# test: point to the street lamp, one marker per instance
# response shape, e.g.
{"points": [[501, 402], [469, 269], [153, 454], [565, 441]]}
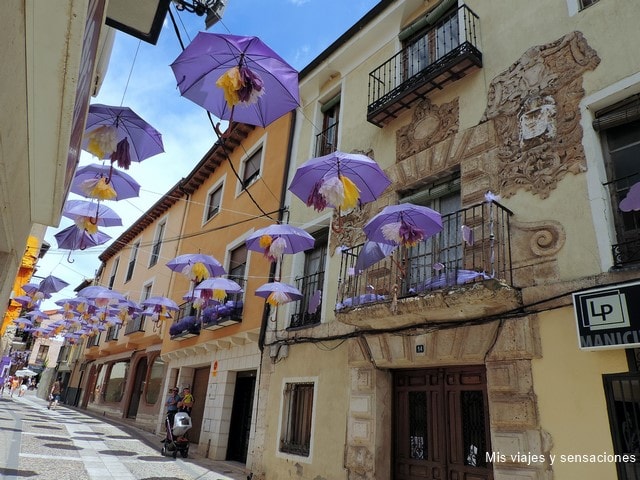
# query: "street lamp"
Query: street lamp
{"points": [[212, 8]]}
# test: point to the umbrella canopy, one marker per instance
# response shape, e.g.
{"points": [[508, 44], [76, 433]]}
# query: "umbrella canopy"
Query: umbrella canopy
{"points": [[83, 211], [339, 180], [25, 372], [120, 134], [23, 322], [51, 284], [74, 238], [276, 240], [158, 303], [371, 253], [104, 183], [405, 224], [216, 288], [237, 78], [278, 293], [31, 288], [197, 266], [101, 296]]}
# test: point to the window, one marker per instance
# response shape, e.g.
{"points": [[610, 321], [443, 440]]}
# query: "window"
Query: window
{"points": [[619, 126], [132, 260], [623, 404], [297, 418], [114, 270], [213, 202], [154, 384], [238, 264], [157, 244], [587, 3], [114, 388], [310, 284], [251, 168], [43, 351], [429, 46], [112, 333], [327, 140]]}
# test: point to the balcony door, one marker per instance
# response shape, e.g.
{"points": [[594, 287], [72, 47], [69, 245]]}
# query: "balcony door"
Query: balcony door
{"points": [[441, 424]]}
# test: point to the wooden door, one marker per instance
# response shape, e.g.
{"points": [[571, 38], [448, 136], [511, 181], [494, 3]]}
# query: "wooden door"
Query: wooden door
{"points": [[441, 424]]}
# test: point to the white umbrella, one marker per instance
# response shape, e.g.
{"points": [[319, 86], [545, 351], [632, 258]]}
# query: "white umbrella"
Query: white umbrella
{"points": [[25, 372]]}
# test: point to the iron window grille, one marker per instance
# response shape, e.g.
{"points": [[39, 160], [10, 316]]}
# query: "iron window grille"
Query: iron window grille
{"points": [[297, 419]]}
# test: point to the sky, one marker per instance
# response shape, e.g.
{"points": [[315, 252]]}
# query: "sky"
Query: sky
{"points": [[139, 76]]}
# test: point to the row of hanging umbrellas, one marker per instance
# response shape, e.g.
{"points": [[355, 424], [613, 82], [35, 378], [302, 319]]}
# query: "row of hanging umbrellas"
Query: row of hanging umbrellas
{"points": [[238, 79]]}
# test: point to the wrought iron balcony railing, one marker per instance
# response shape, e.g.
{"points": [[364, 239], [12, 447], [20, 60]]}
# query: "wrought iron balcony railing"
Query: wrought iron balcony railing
{"points": [[308, 309], [446, 52], [474, 245], [135, 325]]}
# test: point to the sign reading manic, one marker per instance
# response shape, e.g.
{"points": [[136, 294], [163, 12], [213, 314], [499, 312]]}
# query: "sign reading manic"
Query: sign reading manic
{"points": [[608, 317]]}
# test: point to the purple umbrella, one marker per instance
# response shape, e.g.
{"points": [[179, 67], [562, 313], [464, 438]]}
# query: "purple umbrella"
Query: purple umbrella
{"points": [[216, 288], [51, 284], [278, 293], [371, 253], [237, 78], [74, 238], [120, 134], [339, 180], [93, 181], [405, 224], [197, 266], [275, 240], [30, 288], [632, 201], [82, 211], [101, 296], [158, 303]]}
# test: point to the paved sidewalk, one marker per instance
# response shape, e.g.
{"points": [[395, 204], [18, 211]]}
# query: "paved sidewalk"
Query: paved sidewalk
{"points": [[95, 448]]}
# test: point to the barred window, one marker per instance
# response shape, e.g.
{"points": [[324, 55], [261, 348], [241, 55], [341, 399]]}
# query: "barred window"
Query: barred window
{"points": [[297, 418]]}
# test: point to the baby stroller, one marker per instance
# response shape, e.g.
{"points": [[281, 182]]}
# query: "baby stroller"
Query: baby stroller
{"points": [[176, 440]]}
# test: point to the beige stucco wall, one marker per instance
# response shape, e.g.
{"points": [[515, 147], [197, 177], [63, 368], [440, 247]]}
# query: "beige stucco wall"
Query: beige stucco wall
{"points": [[571, 402], [329, 369]]}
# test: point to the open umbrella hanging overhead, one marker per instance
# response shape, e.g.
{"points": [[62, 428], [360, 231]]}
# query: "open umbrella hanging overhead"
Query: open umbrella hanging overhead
{"points": [[339, 180], [104, 183], [216, 288], [404, 224], [370, 254], [196, 266], [120, 134], [275, 240], [237, 78], [278, 293], [51, 284], [75, 238], [90, 215]]}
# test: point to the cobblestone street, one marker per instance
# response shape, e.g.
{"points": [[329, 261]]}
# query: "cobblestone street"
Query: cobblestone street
{"points": [[68, 444]]}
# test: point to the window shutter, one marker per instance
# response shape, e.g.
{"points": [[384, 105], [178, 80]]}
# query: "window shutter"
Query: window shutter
{"points": [[623, 112], [429, 18]]}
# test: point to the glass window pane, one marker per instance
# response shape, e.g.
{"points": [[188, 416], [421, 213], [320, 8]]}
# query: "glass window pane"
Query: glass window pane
{"points": [[114, 389]]}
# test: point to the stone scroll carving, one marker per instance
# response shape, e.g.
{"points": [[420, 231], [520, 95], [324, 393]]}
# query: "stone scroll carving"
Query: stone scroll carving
{"points": [[534, 106]]}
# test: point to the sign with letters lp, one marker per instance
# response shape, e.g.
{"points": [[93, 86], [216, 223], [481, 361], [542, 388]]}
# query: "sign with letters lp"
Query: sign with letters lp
{"points": [[608, 317]]}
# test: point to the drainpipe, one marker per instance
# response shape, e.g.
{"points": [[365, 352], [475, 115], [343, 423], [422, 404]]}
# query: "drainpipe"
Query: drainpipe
{"points": [[283, 194]]}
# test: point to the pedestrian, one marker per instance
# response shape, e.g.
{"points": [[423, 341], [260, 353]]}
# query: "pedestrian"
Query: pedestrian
{"points": [[23, 387], [186, 401], [15, 384], [172, 406], [54, 393]]}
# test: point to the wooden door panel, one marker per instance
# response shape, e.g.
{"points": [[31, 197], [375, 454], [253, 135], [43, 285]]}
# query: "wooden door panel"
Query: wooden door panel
{"points": [[441, 424]]}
